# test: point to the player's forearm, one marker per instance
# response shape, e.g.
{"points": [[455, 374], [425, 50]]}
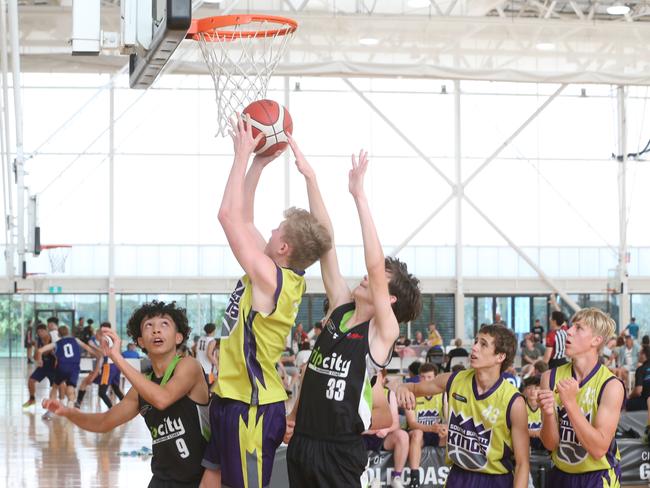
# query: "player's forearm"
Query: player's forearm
{"points": [[250, 185], [317, 205], [92, 422], [549, 433], [155, 394], [425, 388], [373, 253], [232, 202], [521, 473], [590, 437]]}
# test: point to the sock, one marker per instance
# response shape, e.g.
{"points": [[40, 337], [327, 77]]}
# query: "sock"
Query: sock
{"points": [[80, 396], [32, 398], [397, 474]]}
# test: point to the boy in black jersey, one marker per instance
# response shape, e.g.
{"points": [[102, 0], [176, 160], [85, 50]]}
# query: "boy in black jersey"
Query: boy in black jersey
{"points": [[173, 398], [359, 330]]}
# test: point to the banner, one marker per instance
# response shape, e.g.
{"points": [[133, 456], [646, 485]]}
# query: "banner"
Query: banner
{"points": [[433, 470]]}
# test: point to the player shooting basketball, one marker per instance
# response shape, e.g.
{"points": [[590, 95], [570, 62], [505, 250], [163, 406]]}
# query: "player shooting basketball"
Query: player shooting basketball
{"points": [[247, 414]]}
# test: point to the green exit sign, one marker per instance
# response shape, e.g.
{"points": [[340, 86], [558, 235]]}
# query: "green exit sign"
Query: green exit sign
{"points": [[56, 289]]}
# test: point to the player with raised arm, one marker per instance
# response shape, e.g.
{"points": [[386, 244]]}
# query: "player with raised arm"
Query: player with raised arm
{"points": [[487, 415], [360, 328], [172, 399], [247, 414], [581, 405]]}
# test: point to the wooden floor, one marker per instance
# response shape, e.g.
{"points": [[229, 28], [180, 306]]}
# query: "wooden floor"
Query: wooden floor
{"points": [[55, 453]]}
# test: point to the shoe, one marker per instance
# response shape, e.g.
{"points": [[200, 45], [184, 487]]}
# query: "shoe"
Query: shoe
{"points": [[29, 403], [77, 405], [397, 482], [415, 481], [375, 483], [48, 415]]}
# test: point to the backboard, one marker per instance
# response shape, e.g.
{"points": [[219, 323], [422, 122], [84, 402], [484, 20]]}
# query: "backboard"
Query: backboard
{"points": [[151, 32]]}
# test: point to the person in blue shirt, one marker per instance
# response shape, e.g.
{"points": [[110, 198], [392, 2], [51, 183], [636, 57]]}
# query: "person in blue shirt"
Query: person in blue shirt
{"points": [[633, 328], [130, 352]]}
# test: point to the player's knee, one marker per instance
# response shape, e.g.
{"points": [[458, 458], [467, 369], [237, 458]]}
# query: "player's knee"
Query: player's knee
{"points": [[401, 437]]}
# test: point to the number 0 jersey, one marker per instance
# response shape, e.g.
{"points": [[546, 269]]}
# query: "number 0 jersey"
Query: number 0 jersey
{"points": [[179, 434], [336, 397], [570, 456], [252, 342], [479, 436]]}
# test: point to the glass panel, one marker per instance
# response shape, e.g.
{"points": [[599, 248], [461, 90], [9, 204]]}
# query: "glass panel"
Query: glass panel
{"points": [[443, 316], [540, 311], [484, 311], [522, 315], [503, 308], [470, 317], [641, 311]]}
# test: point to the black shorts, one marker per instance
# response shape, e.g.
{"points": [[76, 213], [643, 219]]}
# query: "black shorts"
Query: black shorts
{"points": [[161, 483], [321, 464]]}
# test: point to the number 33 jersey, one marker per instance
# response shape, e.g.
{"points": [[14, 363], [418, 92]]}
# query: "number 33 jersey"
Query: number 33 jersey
{"points": [[179, 435], [336, 396], [479, 436]]}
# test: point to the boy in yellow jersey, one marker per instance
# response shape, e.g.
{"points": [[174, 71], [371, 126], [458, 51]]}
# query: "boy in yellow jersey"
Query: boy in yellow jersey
{"points": [[581, 404], [487, 415], [361, 325], [426, 424], [529, 389], [247, 414]]}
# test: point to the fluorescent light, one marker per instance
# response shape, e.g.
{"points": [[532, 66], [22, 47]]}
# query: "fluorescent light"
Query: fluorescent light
{"points": [[369, 41], [618, 9], [419, 3], [545, 46]]}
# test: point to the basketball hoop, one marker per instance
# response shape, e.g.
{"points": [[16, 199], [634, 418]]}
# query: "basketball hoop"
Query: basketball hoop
{"points": [[241, 52], [57, 254]]}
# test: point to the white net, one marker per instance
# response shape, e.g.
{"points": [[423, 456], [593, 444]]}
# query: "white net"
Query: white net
{"points": [[58, 257], [241, 59]]}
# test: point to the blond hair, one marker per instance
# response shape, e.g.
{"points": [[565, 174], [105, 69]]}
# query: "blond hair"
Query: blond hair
{"points": [[307, 237], [600, 323]]}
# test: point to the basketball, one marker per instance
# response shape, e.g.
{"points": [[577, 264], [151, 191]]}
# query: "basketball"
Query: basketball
{"points": [[274, 121]]}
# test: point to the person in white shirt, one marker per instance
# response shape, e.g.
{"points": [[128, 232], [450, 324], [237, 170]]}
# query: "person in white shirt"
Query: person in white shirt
{"points": [[53, 328], [205, 352]]}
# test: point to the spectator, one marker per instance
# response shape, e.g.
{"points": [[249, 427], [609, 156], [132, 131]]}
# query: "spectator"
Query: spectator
{"points": [[457, 352], [419, 339], [299, 336], [510, 375], [302, 358], [29, 342], [402, 341], [529, 356], [540, 367], [78, 329], [314, 333], [627, 358], [633, 328], [539, 346], [53, 328], [639, 395], [457, 367], [131, 351], [435, 339], [555, 354], [538, 330], [608, 354], [498, 320], [645, 340], [88, 331], [530, 387], [414, 372]]}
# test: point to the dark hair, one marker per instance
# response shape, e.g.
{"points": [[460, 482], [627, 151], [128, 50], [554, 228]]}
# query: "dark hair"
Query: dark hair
{"points": [[90, 322], [645, 340], [305, 346], [41, 327], [414, 368], [54, 320], [620, 341], [405, 288], [457, 367], [428, 368], [326, 305], [105, 324], [505, 342], [541, 366], [646, 350], [558, 317], [530, 381], [158, 309], [632, 319], [209, 328]]}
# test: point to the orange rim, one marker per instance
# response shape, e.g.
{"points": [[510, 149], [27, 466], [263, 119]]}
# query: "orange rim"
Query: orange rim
{"points": [[54, 246], [212, 25]]}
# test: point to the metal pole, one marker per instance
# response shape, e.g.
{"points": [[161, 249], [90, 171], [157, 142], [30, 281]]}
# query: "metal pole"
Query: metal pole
{"points": [[287, 153], [624, 302], [6, 151], [18, 114], [459, 299], [112, 311]]}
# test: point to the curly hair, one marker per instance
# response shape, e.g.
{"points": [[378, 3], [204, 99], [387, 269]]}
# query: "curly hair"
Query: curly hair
{"points": [[505, 342], [405, 288], [158, 309]]}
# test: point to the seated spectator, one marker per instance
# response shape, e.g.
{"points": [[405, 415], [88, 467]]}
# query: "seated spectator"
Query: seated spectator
{"points": [[299, 336], [435, 339], [302, 358], [607, 356], [425, 423], [539, 368], [510, 375], [131, 351], [627, 357], [456, 352], [414, 371], [529, 356], [539, 345], [392, 438], [639, 395], [402, 341], [291, 371], [314, 333], [529, 389], [419, 339], [457, 367]]}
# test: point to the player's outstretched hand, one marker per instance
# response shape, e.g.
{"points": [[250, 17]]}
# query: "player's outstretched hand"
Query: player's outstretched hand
{"points": [[264, 160], [301, 162], [357, 173], [546, 400], [111, 343], [241, 132], [405, 397], [54, 406], [288, 433]]}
